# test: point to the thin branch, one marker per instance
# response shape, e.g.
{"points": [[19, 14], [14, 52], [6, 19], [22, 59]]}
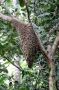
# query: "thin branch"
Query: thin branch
{"points": [[44, 52], [13, 63], [55, 28], [28, 12]]}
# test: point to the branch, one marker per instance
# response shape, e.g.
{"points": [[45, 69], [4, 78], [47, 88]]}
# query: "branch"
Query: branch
{"points": [[5, 17], [12, 63], [28, 12], [55, 45], [10, 19], [44, 52], [55, 28]]}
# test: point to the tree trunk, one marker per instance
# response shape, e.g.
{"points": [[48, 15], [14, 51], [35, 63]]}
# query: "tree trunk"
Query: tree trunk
{"points": [[52, 73], [52, 77]]}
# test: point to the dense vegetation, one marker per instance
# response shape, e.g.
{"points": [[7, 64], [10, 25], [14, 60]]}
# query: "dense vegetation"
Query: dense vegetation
{"points": [[44, 16]]}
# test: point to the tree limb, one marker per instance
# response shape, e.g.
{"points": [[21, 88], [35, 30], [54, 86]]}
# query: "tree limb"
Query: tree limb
{"points": [[28, 12], [55, 28], [55, 45], [5, 17]]}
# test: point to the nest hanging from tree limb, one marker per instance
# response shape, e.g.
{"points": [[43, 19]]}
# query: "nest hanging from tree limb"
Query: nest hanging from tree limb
{"points": [[29, 41]]}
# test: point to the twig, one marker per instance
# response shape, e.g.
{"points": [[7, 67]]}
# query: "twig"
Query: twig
{"points": [[28, 12], [13, 63]]}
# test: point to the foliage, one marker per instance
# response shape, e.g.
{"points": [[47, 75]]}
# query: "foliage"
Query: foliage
{"points": [[44, 13]]}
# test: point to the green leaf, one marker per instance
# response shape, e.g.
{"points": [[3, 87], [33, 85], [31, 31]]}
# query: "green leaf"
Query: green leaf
{"points": [[21, 2]]}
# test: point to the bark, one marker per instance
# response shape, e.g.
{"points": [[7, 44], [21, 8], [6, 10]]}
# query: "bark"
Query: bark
{"points": [[55, 45], [52, 77], [52, 73], [55, 28]]}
